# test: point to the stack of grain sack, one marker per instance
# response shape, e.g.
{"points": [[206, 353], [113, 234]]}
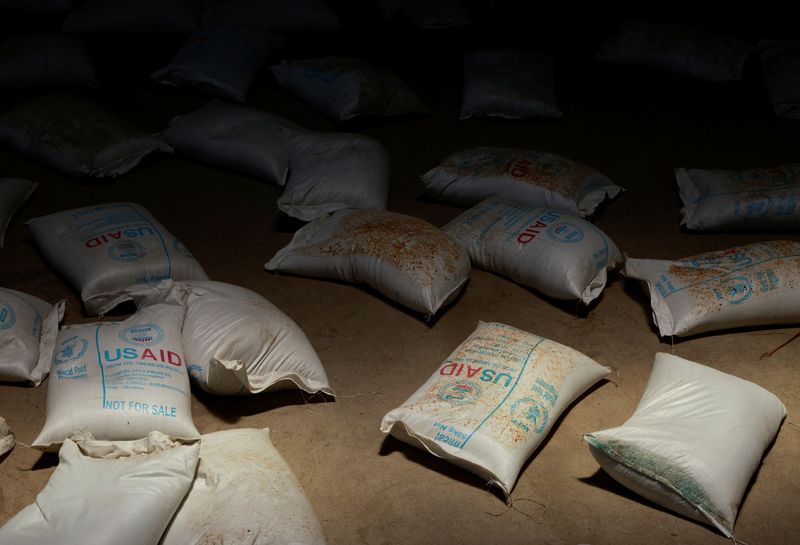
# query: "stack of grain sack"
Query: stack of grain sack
{"points": [[118, 403]]}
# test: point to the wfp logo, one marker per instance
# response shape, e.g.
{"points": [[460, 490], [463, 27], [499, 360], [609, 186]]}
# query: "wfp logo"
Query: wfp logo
{"points": [[70, 349], [7, 315], [529, 415], [126, 250], [142, 335], [734, 290]]}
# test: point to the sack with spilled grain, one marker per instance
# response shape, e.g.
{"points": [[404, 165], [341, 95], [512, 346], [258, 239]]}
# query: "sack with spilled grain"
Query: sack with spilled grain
{"points": [[560, 255], [468, 176], [493, 401], [405, 258], [75, 137], [750, 285]]}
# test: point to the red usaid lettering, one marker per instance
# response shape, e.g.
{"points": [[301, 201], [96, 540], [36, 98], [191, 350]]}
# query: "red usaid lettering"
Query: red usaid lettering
{"points": [[534, 229], [165, 356], [521, 168], [111, 236], [530, 232], [103, 239]]}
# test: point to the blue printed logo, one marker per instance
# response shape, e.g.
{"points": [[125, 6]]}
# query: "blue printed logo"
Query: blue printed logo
{"points": [[734, 290], [142, 335], [70, 349], [462, 392], [565, 232], [532, 411], [7, 315], [126, 250]]}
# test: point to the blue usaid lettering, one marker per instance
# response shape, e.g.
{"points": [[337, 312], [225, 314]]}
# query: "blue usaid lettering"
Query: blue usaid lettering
{"points": [[131, 353]]}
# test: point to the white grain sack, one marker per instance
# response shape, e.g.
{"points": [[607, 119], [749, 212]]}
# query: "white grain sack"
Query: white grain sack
{"points": [[237, 342], [120, 380], [405, 258], [508, 83], [75, 137], [683, 50], [562, 256], [13, 192], [750, 285], [38, 7], [44, 59], [780, 62], [244, 494], [332, 171], [282, 16], [103, 249], [172, 17], [7, 440], [493, 401], [219, 60], [745, 200], [241, 139], [694, 441], [344, 88], [106, 492], [427, 14], [537, 178], [28, 330]]}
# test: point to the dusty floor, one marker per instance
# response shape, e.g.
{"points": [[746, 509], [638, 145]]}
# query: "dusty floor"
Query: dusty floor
{"points": [[370, 489]]}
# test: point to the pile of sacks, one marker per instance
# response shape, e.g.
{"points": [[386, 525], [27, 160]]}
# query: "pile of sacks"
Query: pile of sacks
{"points": [[493, 401], [118, 405], [158, 489]]}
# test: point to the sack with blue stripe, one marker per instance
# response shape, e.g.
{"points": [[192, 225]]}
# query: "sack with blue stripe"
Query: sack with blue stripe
{"points": [[103, 249], [559, 254], [493, 401], [755, 284], [28, 329], [120, 380]]}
